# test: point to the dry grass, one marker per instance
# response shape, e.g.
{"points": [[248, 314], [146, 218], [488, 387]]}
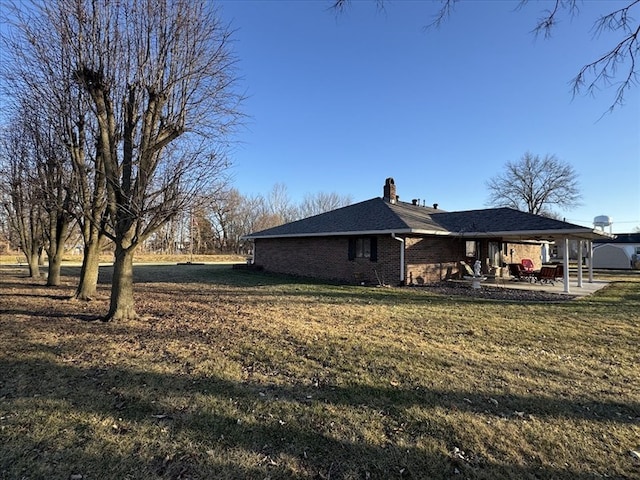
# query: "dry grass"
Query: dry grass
{"points": [[232, 374]]}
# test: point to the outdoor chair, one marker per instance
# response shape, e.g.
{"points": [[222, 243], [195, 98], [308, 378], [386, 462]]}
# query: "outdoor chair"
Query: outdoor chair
{"points": [[518, 271], [468, 271], [559, 272], [547, 274]]}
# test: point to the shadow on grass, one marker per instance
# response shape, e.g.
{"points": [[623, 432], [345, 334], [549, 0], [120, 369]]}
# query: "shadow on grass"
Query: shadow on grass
{"points": [[137, 399], [85, 317]]}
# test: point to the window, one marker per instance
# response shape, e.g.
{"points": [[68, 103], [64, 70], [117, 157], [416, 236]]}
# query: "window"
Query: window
{"points": [[494, 254], [363, 247], [472, 248]]}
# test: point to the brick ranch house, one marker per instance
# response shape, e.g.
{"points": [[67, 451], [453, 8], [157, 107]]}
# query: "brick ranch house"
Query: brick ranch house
{"points": [[398, 243]]}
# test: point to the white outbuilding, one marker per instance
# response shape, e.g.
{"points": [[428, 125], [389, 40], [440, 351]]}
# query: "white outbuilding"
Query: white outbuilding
{"points": [[621, 252]]}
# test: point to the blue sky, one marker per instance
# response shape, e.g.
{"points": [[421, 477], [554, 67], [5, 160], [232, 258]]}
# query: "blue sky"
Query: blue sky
{"points": [[338, 103]]}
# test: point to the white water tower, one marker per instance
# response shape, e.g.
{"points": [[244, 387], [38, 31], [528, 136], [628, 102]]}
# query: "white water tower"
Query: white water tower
{"points": [[602, 221]]}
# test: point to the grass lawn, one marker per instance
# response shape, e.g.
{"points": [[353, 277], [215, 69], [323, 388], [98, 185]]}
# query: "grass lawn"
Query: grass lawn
{"points": [[233, 374]]}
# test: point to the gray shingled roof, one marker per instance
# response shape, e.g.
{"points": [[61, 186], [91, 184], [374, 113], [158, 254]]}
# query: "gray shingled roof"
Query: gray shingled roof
{"points": [[622, 238], [378, 216]]}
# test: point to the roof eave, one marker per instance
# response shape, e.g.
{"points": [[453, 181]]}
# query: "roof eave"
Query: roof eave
{"points": [[358, 233], [582, 233]]}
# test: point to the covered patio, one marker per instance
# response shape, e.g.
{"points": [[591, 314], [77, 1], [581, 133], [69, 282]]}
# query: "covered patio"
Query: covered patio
{"points": [[578, 280]]}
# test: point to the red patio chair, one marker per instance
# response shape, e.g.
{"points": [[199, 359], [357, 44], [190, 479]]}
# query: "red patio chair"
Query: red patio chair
{"points": [[527, 264]]}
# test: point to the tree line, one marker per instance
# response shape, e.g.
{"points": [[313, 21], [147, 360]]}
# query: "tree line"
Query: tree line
{"points": [[118, 114]]}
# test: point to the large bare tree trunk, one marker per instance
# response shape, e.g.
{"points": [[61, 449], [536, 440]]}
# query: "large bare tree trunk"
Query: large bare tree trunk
{"points": [[122, 306], [34, 264], [88, 284], [55, 263], [59, 227]]}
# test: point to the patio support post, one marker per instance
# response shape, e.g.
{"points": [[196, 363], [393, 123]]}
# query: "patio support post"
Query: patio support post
{"points": [[565, 261], [579, 263], [590, 257]]}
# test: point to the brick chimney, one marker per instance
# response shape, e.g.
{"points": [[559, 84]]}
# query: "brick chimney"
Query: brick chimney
{"points": [[389, 192]]}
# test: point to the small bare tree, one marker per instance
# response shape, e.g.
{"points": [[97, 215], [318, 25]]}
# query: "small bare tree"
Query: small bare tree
{"points": [[535, 184], [617, 67]]}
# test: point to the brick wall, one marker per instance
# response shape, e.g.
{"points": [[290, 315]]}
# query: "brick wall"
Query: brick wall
{"points": [[327, 258], [432, 259], [427, 260]]}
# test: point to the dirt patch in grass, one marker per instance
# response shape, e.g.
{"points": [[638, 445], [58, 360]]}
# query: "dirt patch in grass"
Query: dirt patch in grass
{"points": [[235, 374]]}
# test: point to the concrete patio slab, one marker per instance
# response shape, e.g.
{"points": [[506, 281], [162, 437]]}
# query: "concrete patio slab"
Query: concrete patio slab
{"points": [[558, 287]]}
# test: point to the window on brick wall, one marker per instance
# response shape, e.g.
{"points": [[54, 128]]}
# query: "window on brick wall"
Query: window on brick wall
{"points": [[472, 248], [494, 254], [363, 247]]}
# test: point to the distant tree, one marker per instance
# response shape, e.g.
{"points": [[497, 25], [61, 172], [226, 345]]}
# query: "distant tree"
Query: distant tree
{"points": [[314, 204], [202, 233], [226, 217], [234, 215], [280, 205], [21, 195], [616, 67], [535, 184], [257, 214]]}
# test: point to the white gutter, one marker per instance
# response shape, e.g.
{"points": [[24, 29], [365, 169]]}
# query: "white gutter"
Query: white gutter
{"points": [[401, 240]]}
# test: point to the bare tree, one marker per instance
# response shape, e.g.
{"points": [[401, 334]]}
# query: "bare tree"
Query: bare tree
{"points": [[314, 204], [21, 195], [615, 67], [52, 177], [40, 72], [159, 78], [535, 184], [280, 205], [225, 213]]}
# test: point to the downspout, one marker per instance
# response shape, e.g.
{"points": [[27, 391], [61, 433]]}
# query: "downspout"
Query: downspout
{"points": [[401, 240]]}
